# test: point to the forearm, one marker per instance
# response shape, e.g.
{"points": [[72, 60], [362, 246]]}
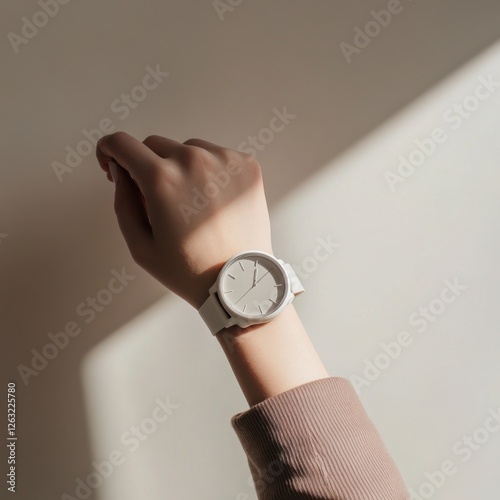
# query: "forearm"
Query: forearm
{"points": [[313, 439], [273, 357]]}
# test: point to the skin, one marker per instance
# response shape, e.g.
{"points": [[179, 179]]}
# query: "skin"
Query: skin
{"points": [[153, 179]]}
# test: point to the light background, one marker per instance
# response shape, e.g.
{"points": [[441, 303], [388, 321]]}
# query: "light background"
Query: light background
{"points": [[324, 176]]}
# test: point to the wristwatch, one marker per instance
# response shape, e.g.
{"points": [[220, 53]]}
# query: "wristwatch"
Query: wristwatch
{"points": [[252, 287]]}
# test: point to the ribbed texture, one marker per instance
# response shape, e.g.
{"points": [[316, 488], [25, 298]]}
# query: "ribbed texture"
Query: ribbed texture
{"points": [[316, 441]]}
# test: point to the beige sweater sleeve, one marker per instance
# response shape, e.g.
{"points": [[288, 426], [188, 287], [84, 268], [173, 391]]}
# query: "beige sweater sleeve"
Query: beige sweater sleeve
{"points": [[316, 441]]}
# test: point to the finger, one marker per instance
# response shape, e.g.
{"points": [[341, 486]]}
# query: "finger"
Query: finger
{"points": [[134, 156], [163, 147], [132, 216], [180, 154]]}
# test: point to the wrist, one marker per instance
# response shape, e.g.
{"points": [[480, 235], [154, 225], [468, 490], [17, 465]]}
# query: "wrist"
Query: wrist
{"points": [[273, 357], [202, 284]]}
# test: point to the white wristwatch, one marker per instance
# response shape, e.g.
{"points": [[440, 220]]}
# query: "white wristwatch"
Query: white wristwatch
{"points": [[252, 287]]}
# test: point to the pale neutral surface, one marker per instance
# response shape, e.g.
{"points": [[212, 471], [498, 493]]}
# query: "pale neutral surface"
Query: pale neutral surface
{"points": [[396, 249]]}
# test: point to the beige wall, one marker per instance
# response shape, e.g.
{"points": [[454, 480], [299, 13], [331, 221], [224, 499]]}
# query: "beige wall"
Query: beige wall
{"points": [[225, 78]]}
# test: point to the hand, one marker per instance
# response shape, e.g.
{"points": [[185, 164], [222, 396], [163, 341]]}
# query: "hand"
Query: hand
{"points": [[178, 237]]}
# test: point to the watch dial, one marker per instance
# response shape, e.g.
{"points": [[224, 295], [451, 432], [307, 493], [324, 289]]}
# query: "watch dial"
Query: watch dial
{"points": [[253, 285]]}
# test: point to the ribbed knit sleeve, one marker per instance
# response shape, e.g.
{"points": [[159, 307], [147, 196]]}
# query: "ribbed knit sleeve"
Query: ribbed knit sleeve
{"points": [[316, 441]]}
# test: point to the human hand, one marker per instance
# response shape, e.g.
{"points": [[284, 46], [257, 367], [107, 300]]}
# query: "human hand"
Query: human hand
{"points": [[179, 237]]}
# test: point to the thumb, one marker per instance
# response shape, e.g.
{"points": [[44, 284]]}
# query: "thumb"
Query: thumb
{"points": [[131, 213]]}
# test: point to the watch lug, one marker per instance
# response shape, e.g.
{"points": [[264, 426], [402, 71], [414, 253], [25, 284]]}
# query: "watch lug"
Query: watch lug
{"points": [[295, 284]]}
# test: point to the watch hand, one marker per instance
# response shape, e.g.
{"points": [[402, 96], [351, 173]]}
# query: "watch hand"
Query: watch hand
{"points": [[255, 282], [254, 277], [262, 276], [244, 294]]}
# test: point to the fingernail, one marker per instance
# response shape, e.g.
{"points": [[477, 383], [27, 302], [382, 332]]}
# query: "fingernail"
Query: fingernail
{"points": [[113, 168]]}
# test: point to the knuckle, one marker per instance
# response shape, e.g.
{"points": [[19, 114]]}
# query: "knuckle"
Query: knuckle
{"points": [[247, 156], [116, 139], [154, 171], [150, 140], [227, 155], [190, 142], [193, 156], [164, 177], [139, 254], [253, 168]]}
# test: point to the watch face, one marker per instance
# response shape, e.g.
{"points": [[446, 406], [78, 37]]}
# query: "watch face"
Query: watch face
{"points": [[253, 286]]}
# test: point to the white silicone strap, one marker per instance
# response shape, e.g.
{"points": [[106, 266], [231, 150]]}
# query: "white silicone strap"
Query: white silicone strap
{"points": [[295, 284], [213, 314]]}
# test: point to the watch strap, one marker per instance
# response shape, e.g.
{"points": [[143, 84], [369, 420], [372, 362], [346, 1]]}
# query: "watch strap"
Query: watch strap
{"points": [[214, 315], [295, 284]]}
